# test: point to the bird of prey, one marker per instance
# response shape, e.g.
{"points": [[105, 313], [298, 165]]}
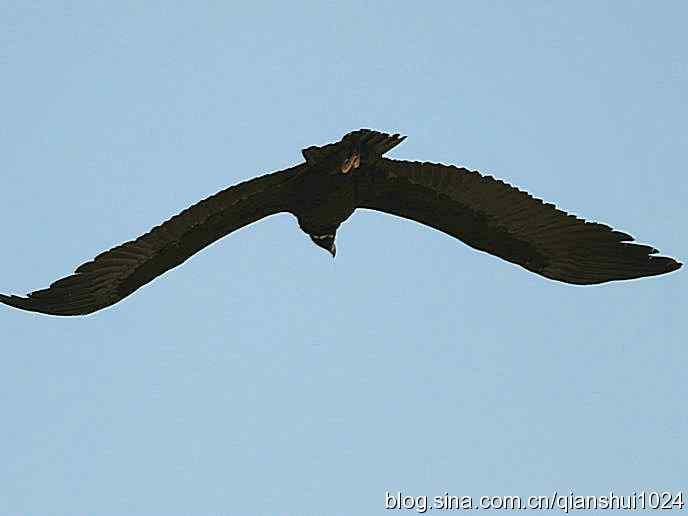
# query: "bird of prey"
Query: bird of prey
{"points": [[336, 179]]}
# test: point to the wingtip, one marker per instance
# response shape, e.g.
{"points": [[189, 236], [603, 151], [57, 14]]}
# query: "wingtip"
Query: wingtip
{"points": [[663, 265], [29, 304], [13, 301]]}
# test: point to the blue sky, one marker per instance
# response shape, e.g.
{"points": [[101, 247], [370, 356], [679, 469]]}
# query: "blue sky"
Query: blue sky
{"points": [[262, 377]]}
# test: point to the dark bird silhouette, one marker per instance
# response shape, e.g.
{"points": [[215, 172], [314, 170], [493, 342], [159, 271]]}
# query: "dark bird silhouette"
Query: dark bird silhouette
{"points": [[484, 212]]}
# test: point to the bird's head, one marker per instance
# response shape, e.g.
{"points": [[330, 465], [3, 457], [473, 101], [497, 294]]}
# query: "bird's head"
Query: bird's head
{"points": [[326, 241]]}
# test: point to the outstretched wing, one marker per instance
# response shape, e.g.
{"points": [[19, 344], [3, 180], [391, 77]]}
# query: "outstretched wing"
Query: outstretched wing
{"points": [[494, 217], [116, 273]]}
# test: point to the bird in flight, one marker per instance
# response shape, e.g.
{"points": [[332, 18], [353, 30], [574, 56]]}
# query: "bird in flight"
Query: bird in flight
{"points": [[335, 180]]}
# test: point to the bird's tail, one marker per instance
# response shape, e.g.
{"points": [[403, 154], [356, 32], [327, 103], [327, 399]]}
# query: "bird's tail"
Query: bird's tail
{"points": [[373, 145], [374, 142]]}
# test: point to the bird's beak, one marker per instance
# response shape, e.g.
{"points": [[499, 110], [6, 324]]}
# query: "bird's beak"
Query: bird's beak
{"points": [[333, 250]]}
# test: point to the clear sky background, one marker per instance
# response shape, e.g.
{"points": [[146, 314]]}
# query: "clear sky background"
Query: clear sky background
{"points": [[262, 377]]}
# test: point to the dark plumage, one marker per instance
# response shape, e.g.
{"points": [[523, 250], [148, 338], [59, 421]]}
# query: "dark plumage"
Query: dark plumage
{"points": [[484, 212]]}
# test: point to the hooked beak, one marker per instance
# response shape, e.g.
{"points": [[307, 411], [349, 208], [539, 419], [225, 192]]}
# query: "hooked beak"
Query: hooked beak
{"points": [[333, 250]]}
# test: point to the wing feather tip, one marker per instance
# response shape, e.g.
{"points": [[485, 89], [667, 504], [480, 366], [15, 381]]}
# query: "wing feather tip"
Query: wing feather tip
{"points": [[670, 264], [30, 304], [14, 301]]}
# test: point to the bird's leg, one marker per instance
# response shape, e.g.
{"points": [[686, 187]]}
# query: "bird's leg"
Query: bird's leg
{"points": [[351, 163]]}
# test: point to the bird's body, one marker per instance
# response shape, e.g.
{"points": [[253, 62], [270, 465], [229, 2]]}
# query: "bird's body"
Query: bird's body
{"points": [[323, 192], [328, 186], [327, 201]]}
